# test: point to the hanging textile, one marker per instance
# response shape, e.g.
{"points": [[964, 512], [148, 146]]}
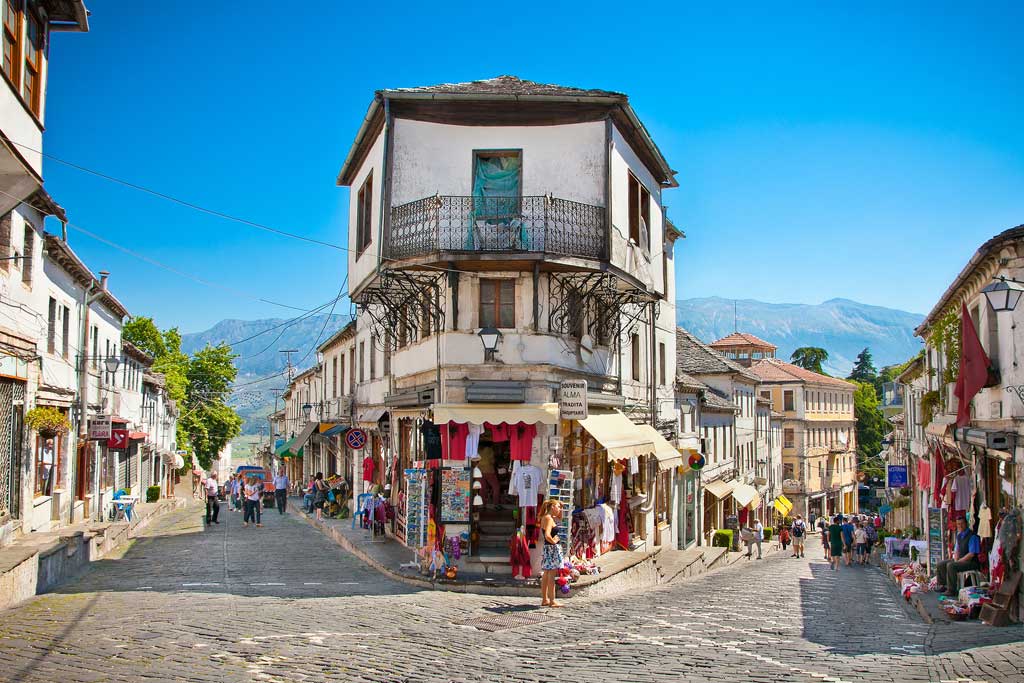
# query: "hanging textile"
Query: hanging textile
{"points": [[496, 192]]}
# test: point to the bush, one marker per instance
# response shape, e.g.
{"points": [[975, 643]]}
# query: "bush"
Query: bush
{"points": [[768, 534], [722, 539], [152, 494]]}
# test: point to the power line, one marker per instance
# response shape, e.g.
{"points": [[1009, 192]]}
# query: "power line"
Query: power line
{"points": [[326, 320], [286, 322]]}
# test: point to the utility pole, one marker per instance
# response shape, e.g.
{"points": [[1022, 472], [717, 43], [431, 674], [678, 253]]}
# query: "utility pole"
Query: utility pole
{"points": [[288, 362]]}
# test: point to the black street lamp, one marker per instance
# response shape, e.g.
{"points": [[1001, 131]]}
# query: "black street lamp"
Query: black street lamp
{"points": [[1003, 294], [307, 410], [489, 337]]}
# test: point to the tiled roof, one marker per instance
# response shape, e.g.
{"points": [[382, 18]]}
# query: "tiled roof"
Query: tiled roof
{"points": [[717, 400], [685, 381], [743, 339], [694, 357], [772, 370], [505, 85]]}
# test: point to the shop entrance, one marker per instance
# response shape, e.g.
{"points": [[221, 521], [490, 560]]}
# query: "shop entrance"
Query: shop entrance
{"points": [[496, 521]]}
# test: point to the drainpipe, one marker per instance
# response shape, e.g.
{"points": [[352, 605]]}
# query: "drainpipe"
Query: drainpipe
{"points": [[90, 294]]}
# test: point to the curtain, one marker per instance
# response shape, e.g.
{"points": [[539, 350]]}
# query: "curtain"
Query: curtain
{"points": [[496, 191]]}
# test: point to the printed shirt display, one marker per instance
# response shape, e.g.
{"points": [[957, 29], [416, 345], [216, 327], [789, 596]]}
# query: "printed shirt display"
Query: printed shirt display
{"points": [[453, 440], [526, 481], [431, 440], [521, 437], [368, 468]]}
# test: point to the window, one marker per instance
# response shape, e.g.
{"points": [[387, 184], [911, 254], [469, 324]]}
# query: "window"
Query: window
{"points": [[373, 358], [95, 346], [993, 337], [362, 361], [635, 355], [66, 338], [334, 375], [364, 215], [766, 394], [787, 470], [28, 247], [787, 438], [12, 34], [33, 62], [352, 370], [51, 327], [497, 303], [46, 465], [425, 315], [787, 400], [497, 191], [661, 363], [639, 213]]}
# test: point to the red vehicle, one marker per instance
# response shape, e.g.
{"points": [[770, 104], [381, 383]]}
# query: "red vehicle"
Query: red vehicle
{"points": [[263, 474]]}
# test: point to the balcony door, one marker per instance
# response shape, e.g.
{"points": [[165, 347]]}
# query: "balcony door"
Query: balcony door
{"points": [[496, 220]]}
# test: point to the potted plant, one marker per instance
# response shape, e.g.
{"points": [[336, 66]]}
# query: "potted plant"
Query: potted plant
{"points": [[48, 421]]}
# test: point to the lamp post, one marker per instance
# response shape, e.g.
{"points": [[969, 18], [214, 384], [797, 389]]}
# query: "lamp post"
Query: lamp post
{"points": [[307, 410], [1003, 294], [489, 337]]}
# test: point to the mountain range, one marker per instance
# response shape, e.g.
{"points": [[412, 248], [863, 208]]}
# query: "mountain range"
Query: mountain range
{"points": [[840, 326]]}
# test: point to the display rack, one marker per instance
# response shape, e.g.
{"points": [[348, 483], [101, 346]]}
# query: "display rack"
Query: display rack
{"points": [[415, 513]]}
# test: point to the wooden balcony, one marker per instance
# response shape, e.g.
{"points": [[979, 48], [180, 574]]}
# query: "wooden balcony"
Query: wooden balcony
{"points": [[497, 225]]}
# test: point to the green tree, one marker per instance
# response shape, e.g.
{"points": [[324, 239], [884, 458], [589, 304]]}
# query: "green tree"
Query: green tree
{"points": [[871, 428], [209, 422], [810, 358], [863, 368], [143, 333]]}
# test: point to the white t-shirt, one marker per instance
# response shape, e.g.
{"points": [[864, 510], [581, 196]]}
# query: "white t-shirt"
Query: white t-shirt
{"points": [[526, 481], [211, 486], [252, 491], [759, 531], [859, 535]]}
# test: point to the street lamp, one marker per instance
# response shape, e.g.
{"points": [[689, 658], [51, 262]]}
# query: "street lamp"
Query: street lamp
{"points": [[307, 409], [489, 337], [112, 363], [1003, 294]]}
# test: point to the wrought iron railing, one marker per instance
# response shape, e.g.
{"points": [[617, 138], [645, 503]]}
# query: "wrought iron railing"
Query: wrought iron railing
{"points": [[497, 224]]}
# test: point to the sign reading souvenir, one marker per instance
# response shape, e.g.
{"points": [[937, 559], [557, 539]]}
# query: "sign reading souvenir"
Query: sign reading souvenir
{"points": [[355, 439], [935, 544], [572, 400], [455, 494], [696, 461], [118, 440], [99, 427], [897, 476]]}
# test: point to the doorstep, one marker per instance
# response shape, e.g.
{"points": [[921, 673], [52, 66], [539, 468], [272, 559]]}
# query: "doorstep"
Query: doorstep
{"points": [[620, 570]]}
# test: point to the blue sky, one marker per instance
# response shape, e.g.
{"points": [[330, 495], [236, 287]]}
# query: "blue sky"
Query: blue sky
{"points": [[823, 151]]}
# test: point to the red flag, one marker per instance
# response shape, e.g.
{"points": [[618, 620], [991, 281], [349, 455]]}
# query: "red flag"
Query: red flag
{"points": [[973, 367]]}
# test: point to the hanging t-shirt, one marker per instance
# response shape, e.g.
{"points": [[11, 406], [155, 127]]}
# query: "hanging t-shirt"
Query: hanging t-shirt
{"points": [[499, 432], [615, 488], [634, 464], [985, 522], [962, 492], [453, 440], [527, 481], [521, 437], [473, 439], [431, 440], [368, 468], [924, 473]]}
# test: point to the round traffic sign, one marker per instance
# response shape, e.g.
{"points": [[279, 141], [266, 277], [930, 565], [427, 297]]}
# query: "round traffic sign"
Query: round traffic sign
{"points": [[696, 461], [355, 439]]}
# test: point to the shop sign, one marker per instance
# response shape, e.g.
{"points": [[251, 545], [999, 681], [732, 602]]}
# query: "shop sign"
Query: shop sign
{"points": [[884, 509], [99, 428], [118, 440], [897, 476], [935, 544], [572, 400], [355, 439]]}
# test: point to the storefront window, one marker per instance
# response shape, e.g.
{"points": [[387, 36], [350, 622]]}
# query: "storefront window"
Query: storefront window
{"points": [[46, 466]]}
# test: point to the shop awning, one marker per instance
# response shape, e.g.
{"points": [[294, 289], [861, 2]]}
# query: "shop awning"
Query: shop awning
{"points": [[937, 429], [370, 416], [137, 436], [496, 413], [284, 448], [332, 429], [619, 436], [745, 494], [668, 457], [781, 507], [720, 488], [689, 443], [786, 503], [304, 435]]}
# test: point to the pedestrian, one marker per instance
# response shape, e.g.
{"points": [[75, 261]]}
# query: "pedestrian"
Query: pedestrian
{"points": [[784, 538], [835, 541], [747, 536], [799, 535], [212, 506], [281, 491], [307, 497], [860, 543], [823, 529], [253, 489], [319, 495], [847, 540], [758, 536], [551, 560], [239, 492]]}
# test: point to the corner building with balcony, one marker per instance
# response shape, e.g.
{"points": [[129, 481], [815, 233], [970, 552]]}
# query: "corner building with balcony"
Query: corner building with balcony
{"points": [[505, 236]]}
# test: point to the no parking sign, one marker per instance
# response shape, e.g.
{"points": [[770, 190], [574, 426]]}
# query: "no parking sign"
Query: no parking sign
{"points": [[355, 439]]}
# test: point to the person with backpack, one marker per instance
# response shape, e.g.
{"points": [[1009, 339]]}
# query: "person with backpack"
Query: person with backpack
{"points": [[799, 532]]}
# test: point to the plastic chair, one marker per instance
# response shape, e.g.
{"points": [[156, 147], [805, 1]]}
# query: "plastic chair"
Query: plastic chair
{"points": [[972, 575], [361, 501]]}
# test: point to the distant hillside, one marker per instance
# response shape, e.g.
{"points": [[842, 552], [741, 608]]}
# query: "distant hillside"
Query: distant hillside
{"points": [[840, 326], [260, 356]]}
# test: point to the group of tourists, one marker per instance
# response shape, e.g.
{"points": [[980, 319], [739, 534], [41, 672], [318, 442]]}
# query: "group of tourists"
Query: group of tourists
{"points": [[244, 492], [315, 496], [848, 540]]}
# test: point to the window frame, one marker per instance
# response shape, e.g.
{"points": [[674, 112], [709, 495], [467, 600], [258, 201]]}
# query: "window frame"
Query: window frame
{"points": [[788, 437], [639, 206], [498, 304], [51, 326], [65, 346], [13, 34], [54, 466], [634, 352], [33, 99], [789, 405], [364, 215], [661, 363]]}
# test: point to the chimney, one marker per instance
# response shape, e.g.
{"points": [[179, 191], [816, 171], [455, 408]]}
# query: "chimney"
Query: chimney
{"points": [[64, 231], [104, 274]]}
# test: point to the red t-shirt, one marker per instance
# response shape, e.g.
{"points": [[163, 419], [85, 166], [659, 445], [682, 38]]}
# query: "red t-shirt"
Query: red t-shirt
{"points": [[521, 441], [368, 468], [453, 440]]}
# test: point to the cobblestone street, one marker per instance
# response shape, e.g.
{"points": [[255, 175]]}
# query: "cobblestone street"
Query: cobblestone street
{"points": [[282, 603]]}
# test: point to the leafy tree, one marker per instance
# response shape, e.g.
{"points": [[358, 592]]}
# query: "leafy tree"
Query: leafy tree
{"points": [[143, 333], [871, 428], [863, 368], [810, 358]]}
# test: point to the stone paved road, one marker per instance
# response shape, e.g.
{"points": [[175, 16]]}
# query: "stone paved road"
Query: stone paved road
{"points": [[284, 604]]}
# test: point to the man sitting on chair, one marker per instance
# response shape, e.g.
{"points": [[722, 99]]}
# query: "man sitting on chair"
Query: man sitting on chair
{"points": [[965, 558]]}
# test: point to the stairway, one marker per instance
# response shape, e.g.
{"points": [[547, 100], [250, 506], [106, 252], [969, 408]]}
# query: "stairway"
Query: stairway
{"points": [[495, 529]]}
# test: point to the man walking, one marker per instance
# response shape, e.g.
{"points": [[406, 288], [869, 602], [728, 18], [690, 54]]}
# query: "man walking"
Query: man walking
{"points": [[758, 536], [965, 558], [212, 506], [799, 532], [847, 529], [281, 491]]}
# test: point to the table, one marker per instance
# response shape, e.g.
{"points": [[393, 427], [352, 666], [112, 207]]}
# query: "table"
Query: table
{"points": [[125, 504], [892, 544]]}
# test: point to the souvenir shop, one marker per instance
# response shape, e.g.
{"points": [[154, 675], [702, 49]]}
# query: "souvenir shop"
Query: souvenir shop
{"points": [[472, 477], [960, 480]]}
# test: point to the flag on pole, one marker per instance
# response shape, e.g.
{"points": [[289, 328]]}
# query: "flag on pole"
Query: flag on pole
{"points": [[974, 365]]}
